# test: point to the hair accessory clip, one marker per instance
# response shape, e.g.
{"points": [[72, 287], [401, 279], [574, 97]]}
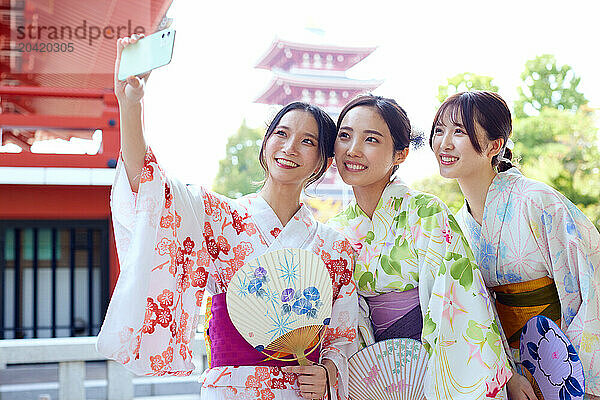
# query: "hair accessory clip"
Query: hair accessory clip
{"points": [[417, 137]]}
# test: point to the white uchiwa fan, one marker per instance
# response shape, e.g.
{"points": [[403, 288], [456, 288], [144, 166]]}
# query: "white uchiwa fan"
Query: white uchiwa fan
{"points": [[392, 369], [280, 302]]}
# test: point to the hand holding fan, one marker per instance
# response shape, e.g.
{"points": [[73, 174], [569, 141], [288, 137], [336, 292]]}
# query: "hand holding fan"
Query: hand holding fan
{"points": [[392, 369], [280, 301], [551, 359]]}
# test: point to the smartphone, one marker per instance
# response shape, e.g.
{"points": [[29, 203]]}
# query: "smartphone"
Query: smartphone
{"points": [[146, 54]]}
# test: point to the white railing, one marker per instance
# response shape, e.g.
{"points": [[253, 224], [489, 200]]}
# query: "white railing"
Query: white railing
{"points": [[71, 355]]}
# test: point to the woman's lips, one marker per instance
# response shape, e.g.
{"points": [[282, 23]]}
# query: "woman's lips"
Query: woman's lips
{"points": [[283, 163], [446, 159], [354, 167]]}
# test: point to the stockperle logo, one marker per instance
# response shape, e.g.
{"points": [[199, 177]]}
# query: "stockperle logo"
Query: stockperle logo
{"points": [[71, 37]]}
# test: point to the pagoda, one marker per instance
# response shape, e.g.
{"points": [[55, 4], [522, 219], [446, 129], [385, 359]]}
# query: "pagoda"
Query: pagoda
{"points": [[315, 74]]}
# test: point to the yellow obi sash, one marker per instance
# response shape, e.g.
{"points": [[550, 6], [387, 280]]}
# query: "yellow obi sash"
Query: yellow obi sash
{"points": [[518, 302]]}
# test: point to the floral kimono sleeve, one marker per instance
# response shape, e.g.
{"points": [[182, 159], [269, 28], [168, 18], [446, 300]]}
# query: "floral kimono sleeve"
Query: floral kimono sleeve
{"points": [[571, 244], [152, 315], [340, 337], [467, 359]]}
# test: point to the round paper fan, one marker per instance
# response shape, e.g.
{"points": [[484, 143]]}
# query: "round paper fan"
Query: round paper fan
{"points": [[280, 301], [551, 359], [392, 369]]}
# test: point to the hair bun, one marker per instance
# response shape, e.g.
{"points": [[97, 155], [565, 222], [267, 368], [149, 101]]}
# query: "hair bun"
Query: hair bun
{"points": [[505, 162]]}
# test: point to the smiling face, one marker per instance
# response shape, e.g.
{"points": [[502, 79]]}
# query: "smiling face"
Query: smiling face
{"points": [[291, 152], [364, 149], [454, 151]]}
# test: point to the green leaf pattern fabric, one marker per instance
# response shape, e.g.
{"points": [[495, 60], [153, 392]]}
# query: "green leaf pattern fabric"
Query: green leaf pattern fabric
{"points": [[413, 241]]}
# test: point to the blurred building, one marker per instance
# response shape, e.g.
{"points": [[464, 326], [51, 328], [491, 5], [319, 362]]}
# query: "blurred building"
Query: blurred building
{"points": [[316, 74], [58, 262]]}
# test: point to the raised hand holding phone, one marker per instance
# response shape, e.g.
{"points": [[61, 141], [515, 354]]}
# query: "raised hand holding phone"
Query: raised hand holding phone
{"points": [[129, 94], [131, 90]]}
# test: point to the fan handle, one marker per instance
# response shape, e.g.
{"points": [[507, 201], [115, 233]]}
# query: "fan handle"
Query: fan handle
{"points": [[302, 360]]}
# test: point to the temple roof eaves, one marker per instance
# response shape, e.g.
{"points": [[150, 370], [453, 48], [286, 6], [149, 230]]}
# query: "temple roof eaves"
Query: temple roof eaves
{"points": [[340, 82], [279, 81], [278, 45]]}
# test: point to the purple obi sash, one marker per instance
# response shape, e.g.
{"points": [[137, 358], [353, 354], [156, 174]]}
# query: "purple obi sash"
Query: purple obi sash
{"points": [[396, 315], [229, 348]]}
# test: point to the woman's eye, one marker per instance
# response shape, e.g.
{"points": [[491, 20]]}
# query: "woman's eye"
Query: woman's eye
{"points": [[459, 131], [309, 141], [372, 139], [438, 131], [343, 135], [280, 133]]}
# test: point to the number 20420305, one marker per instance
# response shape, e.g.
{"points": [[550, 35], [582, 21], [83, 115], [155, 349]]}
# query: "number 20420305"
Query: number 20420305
{"points": [[45, 47]]}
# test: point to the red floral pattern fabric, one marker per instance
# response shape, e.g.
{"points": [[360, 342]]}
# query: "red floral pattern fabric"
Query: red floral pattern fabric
{"points": [[174, 242]]}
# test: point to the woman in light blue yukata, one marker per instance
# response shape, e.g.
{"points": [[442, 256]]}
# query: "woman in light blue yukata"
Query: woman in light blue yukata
{"points": [[538, 253]]}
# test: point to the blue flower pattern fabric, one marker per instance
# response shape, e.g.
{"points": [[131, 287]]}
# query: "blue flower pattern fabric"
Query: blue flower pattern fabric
{"points": [[530, 231], [550, 357]]}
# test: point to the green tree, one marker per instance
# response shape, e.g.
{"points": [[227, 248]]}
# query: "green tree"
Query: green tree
{"points": [[446, 189], [560, 148], [465, 82], [240, 171], [546, 84]]}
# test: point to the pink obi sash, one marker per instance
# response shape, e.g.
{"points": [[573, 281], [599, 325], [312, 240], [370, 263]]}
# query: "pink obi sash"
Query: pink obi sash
{"points": [[229, 348]]}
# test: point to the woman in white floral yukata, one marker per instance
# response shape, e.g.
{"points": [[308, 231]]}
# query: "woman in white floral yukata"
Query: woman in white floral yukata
{"points": [[537, 252], [415, 272], [175, 242]]}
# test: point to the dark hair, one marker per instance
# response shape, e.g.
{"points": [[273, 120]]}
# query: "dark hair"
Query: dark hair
{"points": [[327, 134], [394, 116], [489, 110]]}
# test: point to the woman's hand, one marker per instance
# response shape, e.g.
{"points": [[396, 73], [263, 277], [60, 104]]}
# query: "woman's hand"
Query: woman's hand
{"points": [[519, 388], [312, 379], [131, 91], [129, 94]]}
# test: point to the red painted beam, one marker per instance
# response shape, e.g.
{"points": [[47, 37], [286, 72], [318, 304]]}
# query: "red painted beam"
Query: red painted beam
{"points": [[56, 122], [55, 92], [54, 202], [35, 202], [57, 160]]}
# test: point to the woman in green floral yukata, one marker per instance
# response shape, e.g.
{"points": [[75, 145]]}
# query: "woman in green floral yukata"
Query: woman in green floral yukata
{"points": [[415, 271]]}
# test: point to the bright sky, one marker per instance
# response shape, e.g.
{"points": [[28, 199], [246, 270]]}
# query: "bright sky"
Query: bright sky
{"points": [[201, 98]]}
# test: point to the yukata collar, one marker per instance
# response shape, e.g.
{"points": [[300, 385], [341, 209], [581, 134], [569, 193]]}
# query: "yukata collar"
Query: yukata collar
{"points": [[357, 227], [395, 188], [295, 234], [503, 181]]}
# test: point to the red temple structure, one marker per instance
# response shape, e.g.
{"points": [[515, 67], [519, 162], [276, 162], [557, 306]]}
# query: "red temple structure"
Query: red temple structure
{"points": [[58, 262], [316, 74]]}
